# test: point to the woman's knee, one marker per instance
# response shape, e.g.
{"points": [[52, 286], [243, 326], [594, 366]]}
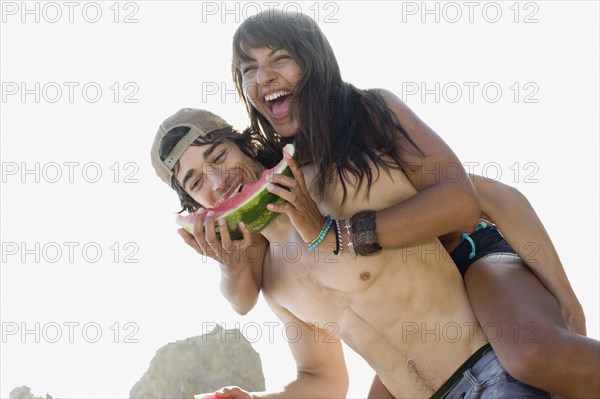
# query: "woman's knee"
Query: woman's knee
{"points": [[523, 362]]}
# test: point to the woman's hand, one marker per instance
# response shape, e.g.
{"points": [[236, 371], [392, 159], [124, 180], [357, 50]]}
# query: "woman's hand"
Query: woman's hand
{"points": [[299, 206], [572, 312]]}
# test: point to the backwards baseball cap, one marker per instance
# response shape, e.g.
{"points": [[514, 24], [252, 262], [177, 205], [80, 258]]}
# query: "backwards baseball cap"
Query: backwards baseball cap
{"points": [[199, 121]]}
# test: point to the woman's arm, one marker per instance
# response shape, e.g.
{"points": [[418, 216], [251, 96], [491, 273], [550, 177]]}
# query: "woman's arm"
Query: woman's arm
{"points": [[524, 231], [445, 202]]}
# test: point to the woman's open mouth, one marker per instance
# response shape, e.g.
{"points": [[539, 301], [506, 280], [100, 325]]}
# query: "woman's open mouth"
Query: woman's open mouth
{"points": [[279, 103]]}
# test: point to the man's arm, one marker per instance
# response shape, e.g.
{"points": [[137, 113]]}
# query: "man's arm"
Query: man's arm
{"points": [[524, 231], [378, 390], [241, 286], [240, 261], [319, 360]]}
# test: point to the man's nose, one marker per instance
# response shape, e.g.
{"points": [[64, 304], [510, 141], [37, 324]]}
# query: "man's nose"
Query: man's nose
{"points": [[218, 179]]}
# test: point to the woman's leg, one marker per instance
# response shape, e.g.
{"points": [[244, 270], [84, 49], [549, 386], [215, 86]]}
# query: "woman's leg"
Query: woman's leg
{"points": [[524, 326]]}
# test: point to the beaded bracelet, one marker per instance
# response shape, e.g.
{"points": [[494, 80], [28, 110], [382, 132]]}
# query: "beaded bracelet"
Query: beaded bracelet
{"points": [[338, 236], [348, 227], [327, 219], [315, 243]]}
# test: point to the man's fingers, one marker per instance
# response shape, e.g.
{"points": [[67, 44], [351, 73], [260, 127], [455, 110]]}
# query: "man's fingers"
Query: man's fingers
{"points": [[211, 234], [226, 241], [199, 227], [232, 393], [246, 234]]}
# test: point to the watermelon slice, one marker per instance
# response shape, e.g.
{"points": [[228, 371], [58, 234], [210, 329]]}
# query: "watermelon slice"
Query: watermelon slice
{"points": [[215, 395], [249, 205]]}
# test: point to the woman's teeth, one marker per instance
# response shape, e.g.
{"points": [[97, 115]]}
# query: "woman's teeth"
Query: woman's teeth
{"points": [[276, 95]]}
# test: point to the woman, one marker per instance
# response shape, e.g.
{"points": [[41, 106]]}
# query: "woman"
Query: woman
{"points": [[288, 76]]}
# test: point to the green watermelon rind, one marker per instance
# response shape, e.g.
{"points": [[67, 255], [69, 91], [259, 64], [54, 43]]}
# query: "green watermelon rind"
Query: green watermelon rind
{"points": [[254, 213]]}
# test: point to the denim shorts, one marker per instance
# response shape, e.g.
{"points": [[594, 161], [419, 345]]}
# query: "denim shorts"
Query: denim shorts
{"points": [[487, 379]]}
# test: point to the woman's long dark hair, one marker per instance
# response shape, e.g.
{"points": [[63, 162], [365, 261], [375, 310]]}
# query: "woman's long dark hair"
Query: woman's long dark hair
{"points": [[342, 128]]}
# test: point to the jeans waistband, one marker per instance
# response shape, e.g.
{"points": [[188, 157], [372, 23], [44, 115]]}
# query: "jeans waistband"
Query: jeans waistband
{"points": [[458, 374]]}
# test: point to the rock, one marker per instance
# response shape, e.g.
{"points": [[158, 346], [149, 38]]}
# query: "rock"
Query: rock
{"points": [[24, 392], [201, 364]]}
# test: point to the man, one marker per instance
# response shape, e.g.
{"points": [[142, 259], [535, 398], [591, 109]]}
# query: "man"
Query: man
{"points": [[404, 310]]}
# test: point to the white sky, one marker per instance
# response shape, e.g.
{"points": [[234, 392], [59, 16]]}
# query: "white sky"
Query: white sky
{"points": [[91, 205]]}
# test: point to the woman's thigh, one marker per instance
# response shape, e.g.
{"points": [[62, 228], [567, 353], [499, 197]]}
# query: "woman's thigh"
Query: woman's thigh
{"points": [[511, 304]]}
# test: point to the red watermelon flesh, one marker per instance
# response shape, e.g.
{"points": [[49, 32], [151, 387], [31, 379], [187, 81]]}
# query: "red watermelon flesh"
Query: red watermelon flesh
{"points": [[249, 205]]}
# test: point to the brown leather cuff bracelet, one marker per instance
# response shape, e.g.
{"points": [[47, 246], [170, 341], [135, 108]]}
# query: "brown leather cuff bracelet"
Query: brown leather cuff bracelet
{"points": [[363, 233]]}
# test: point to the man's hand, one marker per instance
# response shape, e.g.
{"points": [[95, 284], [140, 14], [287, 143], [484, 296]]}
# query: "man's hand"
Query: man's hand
{"points": [[226, 393], [231, 253]]}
